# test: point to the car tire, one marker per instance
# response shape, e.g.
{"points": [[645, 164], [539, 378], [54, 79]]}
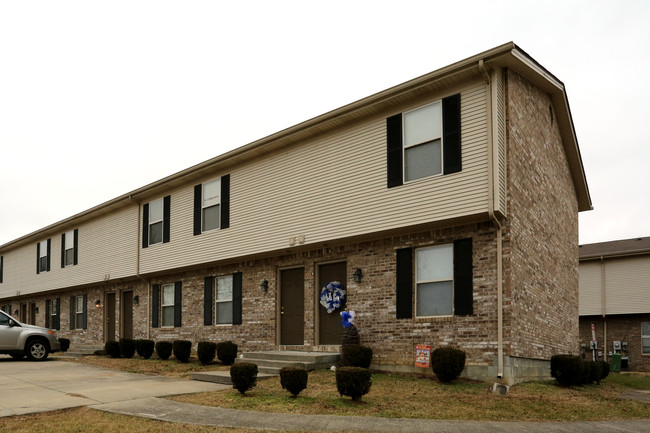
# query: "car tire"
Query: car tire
{"points": [[17, 355], [37, 350]]}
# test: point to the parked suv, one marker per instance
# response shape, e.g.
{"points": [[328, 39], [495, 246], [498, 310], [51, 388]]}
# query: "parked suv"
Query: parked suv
{"points": [[19, 339]]}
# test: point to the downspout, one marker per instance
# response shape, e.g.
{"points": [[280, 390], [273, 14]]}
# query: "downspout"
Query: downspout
{"points": [[492, 187], [603, 294], [137, 264]]}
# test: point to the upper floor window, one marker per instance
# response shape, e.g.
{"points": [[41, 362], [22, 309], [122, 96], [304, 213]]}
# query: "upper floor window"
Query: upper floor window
{"points": [[645, 338], [424, 142], [69, 242], [156, 221], [212, 205], [43, 256]]}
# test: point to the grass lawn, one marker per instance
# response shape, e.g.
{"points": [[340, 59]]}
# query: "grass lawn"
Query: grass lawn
{"points": [[411, 397]]}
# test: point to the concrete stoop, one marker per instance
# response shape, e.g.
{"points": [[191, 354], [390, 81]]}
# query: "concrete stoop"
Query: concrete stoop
{"points": [[269, 364], [82, 350]]}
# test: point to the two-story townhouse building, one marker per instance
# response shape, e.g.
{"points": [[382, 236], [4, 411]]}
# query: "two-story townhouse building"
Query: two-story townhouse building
{"points": [[446, 207], [615, 301]]}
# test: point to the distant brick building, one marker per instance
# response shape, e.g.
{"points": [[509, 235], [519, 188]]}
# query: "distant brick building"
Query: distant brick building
{"points": [[447, 208], [615, 300]]}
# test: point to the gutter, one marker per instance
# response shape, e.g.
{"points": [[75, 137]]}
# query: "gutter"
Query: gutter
{"points": [[492, 187]]}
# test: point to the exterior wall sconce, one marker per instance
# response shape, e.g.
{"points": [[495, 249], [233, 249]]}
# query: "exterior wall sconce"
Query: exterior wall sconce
{"points": [[264, 286], [136, 300], [98, 304], [357, 275]]}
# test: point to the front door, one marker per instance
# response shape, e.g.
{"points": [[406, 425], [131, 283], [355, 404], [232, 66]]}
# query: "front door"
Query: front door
{"points": [[109, 317], [126, 302], [330, 330], [292, 306], [32, 313]]}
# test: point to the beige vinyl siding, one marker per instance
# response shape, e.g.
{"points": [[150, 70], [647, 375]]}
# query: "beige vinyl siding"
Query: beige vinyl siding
{"points": [[627, 285], [328, 188], [501, 164], [590, 288], [107, 246]]}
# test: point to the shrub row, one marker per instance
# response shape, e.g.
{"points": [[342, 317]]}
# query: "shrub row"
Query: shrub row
{"points": [[225, 351], [571, 370]]}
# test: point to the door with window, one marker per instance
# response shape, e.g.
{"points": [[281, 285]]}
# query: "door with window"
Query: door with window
{"points": [[292, 307], [330, 330]]}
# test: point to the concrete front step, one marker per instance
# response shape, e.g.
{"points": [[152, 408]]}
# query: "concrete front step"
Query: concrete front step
{"points": [[222, 377], [284, 358], [85, 350]]}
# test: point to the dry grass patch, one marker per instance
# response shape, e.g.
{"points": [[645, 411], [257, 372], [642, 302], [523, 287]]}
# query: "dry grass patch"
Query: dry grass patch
{"points": [[152, 366]]}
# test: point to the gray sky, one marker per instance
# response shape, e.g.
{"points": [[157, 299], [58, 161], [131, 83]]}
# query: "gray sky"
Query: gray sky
{"points": [[101, 98]]}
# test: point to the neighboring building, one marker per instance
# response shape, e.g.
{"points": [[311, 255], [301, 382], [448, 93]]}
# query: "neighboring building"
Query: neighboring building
{"points": [[446, 206], [615, 300]]}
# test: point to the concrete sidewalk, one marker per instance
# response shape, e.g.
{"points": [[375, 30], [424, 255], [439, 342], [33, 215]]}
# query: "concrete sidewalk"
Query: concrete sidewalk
{"points": [[171, 411]]}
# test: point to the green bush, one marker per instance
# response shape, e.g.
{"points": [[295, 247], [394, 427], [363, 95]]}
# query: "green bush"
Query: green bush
{"points": [[605, 369], [596, 372], [127, 347], [227, 352], [112, 349], [164, 349], [206, 351], [144, 348], [356, 355], [568, 370], [182, 350], [243, 376], [350, 336], [65, 344], [353, 381], [293, 379], [447, 363]]}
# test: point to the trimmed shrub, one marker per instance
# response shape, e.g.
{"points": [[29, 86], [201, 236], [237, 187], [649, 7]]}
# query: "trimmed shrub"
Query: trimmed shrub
{"points": [[356, 355], [605, 369], [243, 376], [568, 370], [127, 347], [65, 344], [164, 349], [447, 363], [353, 381], [293, 379], [182, 350], [206, 351], [227, 352], [350, 336], [112, 349], [144, 348], [596, 372]]}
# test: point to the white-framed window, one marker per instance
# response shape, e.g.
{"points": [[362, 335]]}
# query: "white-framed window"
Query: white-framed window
{"points": [[42, 256], [156, 221], [422, 140], [79, 311], [167, 304], [210, 205], [69, 248], [645, 338], [434, 274], [223, 300]]}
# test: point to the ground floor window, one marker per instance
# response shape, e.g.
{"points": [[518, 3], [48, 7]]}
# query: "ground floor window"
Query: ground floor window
{"points": [[645, 338], [223, 300], [166, 305], [78, 312]]}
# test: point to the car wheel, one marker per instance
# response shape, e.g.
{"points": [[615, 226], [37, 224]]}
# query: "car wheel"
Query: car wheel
{"points": [[17, 355], [37, 350]]}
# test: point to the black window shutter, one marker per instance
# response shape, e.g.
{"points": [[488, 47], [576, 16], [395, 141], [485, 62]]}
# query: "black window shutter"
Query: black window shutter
{"points": [[225, 201], [178, 296], [57, 315], [63, 250], [84, 323], [167, 204], [38, 257], [155, 305], [404, 283], [463, 278], [198, 196], [48, 313], [451, 140], [49, 253], [207, 300], [75, 253], [236, 298], [394, 156], [72, 311], [145, 225]]}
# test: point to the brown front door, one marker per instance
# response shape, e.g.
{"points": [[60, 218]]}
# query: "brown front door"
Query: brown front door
{"points": [[329, 324], [292, 307], [126, 302], [32, 313], [109, 317]]}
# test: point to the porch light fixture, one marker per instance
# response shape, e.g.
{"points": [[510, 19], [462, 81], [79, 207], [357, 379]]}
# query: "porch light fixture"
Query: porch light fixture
{"points": [[136, 299], [98, 304], [357, 275], [264, 286]]}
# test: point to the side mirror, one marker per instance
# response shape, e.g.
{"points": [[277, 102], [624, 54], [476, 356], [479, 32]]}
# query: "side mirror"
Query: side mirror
{"points": [[12, 322]]}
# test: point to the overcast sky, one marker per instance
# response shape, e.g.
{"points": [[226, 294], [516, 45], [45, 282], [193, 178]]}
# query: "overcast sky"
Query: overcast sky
{"points": [[100, 98]]}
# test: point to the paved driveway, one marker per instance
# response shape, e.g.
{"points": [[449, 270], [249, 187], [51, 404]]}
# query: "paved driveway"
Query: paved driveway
{"points": [[41, 386]]}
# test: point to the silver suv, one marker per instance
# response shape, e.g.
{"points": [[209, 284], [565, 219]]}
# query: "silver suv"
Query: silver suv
{"points": [[19, 339]]}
